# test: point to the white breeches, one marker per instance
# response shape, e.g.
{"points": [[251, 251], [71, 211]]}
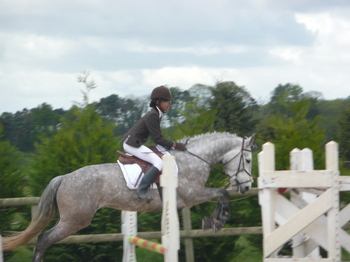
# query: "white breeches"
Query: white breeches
{"points": [[145, 154]]}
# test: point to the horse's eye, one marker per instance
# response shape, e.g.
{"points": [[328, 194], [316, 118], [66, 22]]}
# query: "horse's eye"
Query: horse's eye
{"points": [[248, 160]]}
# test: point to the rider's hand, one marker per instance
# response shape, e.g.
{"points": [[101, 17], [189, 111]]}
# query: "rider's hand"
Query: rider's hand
{"points": [[181, 147]]}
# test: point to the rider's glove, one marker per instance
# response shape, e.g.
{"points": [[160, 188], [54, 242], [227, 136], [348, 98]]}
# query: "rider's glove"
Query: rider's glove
{"points": [[181, 146]]}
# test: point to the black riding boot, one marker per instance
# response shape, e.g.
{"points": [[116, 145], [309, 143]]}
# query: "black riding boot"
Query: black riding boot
{"points": [[146, 181]]}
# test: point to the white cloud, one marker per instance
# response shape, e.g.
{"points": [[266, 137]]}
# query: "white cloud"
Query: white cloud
{"points": [[24, 51], [290, 54], [331, 30], [29, 89], [130, 48], [199, 50], [183, 77]]}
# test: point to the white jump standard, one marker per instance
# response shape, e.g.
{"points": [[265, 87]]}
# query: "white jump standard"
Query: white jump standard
{"points": [[170, 221], [310, 222]]}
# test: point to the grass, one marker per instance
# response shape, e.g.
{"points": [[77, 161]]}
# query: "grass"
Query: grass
{"points": [[248, 252]]}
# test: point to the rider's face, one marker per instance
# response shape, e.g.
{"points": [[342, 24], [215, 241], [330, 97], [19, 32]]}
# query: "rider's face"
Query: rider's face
{"points": [[164, 105]]}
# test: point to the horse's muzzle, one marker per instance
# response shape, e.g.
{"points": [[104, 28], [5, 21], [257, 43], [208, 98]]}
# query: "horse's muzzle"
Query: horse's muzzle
{"points": [[241, 187], [235, 188]]}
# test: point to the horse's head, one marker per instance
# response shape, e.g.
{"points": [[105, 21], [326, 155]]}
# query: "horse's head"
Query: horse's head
{"points": [[237, 163]]}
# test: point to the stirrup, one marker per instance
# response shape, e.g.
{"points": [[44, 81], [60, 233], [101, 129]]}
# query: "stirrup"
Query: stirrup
{"points": [[147, 195]]}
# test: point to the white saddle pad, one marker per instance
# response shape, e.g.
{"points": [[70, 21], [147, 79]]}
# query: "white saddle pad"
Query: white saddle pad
{"points": [[132, 172]]}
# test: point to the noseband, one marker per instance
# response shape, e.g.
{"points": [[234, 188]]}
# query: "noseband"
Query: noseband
{"points": [[240, 169]]}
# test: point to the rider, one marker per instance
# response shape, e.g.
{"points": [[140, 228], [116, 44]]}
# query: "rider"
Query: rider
{"points": [[149, 125]]}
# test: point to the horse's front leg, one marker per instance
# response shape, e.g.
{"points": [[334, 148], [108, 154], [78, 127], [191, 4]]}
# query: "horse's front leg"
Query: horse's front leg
{"points": [[221, 213], [198, 195]]}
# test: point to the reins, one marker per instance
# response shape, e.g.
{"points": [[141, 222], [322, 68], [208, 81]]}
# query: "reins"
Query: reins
{"points": [[241, 161], [210, 164]]}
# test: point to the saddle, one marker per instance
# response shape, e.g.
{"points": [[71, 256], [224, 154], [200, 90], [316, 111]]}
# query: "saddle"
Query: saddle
{"points": [[126, 159]]}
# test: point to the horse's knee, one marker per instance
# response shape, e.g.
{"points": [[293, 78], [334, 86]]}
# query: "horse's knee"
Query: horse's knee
{"points": [[225, 195]]}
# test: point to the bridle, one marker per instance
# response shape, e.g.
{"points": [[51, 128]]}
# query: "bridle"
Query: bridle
{"points": [[241, 166]]}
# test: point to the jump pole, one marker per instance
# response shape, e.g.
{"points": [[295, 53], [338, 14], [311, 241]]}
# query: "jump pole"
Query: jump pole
{"points": [[153, 246], [170, 221]]}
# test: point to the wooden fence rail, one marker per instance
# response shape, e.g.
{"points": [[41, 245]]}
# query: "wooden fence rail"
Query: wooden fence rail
{"points": [[32, 201], [112, 237], [188, 233], [194, 233]]}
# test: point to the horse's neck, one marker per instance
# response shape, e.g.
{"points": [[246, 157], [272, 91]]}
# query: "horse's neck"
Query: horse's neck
{"points": [[213, 150]]}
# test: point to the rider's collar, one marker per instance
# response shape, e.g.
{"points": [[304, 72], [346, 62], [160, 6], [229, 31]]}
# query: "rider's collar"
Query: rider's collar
{"points": [[160, 112]]}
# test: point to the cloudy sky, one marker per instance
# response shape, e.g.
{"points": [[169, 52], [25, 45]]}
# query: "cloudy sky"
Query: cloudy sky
{"points": [[130, 47]]}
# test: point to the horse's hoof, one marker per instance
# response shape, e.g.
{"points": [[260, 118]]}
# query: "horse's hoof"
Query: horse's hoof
{"points": [[225, 216]]}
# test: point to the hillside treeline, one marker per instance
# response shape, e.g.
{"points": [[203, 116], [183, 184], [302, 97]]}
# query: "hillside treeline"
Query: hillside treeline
{"points": [[40, 143]]}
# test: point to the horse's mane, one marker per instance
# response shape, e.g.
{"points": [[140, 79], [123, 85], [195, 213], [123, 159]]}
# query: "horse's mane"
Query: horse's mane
{"points": [[209, 137]]}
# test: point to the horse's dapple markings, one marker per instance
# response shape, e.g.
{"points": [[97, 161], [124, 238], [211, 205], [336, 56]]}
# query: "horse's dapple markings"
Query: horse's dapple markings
{"points": [[78, 195]]}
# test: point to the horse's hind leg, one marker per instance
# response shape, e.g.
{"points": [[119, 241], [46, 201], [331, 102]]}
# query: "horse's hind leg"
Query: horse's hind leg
{"points": [[60, 231]]}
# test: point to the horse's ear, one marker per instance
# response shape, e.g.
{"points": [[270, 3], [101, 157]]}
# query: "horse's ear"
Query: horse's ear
{"points": [[250, 141]]}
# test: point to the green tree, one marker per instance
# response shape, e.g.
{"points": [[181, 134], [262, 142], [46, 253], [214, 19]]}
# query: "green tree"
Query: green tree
{"points": [[284, 97], [24, 128], [289, 95], [181, 98], [11, 185], [287, 125], [44, 120], [11, 175], [123, 111], [296, 132], [17, 129], [194, 116], [195, 120], [344, 131], [331, 110], [83, 138], [198, 115], [235, 108]]}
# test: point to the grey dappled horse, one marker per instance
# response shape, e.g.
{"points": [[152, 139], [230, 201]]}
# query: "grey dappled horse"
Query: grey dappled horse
{"points": [[76, 196]]}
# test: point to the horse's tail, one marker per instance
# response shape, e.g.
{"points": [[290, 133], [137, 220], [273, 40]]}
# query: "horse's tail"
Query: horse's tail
{"points": [[47, 209]]}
